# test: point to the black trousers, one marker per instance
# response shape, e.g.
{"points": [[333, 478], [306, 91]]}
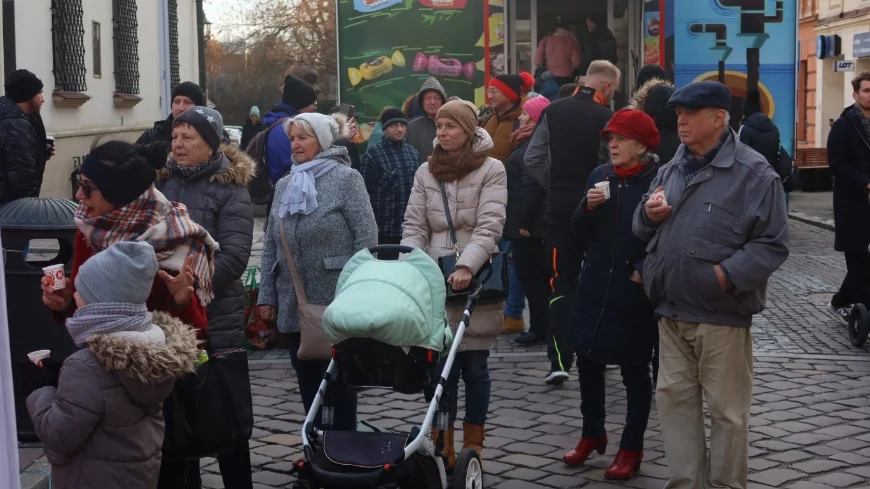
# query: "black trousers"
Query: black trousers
{"points": [[235, 471], [383, 239], [531, 260], [638, 388], [565, 263], [856, 284]]}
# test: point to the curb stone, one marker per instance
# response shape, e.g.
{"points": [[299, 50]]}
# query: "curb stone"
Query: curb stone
{"points": [[37, 475], [812, 221]]}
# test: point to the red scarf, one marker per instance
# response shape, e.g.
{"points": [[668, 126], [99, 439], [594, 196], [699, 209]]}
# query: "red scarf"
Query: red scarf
{"points": [[621, 173], [522, 134]]}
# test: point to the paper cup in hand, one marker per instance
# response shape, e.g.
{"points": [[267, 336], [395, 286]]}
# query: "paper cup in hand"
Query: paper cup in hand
{"points": [[56, 277], [38, 356], [605, 186], [659, 197]]}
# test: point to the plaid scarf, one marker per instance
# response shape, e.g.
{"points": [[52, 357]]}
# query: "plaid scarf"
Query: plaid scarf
{"points": [[693, 165], [164, 225]]}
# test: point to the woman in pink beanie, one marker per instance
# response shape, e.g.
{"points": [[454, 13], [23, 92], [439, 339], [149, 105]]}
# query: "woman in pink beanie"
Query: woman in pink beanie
{"points": [[523, 229]]}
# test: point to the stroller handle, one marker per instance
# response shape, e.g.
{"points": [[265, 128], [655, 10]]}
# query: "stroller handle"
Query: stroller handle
{"points": [[390, 248], [475, 287]]}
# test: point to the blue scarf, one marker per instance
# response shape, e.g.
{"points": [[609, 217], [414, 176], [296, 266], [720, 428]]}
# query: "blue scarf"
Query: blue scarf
{"points": [[300, 197]]}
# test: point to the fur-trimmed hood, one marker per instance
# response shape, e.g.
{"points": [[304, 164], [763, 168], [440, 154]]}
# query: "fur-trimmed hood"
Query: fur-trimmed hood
{"points": [[652, 98], [236, 168], [641, 96], [147, 370]]}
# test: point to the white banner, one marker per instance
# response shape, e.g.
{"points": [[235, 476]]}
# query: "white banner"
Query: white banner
{"points": [[9, 477]]}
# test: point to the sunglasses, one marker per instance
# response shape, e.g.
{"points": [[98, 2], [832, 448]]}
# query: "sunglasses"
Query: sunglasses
{"points": [[87, 186]]}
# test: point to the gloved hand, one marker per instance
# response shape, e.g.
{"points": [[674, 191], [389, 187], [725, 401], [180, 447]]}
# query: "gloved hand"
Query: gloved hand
{"points": [[36, 377]]}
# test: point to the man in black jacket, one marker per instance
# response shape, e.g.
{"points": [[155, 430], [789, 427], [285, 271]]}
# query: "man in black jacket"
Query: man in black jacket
{"points": [[23, 150], [184, 96], [600, 44], [561, 155], [848, 157]]}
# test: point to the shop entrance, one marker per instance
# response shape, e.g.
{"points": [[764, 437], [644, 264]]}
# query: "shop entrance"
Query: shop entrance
{"points": [[530, 21]]}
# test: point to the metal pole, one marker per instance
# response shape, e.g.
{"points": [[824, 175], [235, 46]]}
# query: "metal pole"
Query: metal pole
{"points": [[200, 42]]}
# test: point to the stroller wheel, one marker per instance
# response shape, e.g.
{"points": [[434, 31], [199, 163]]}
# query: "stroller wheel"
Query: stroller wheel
{"points": [[468, 472], [859, 325]]}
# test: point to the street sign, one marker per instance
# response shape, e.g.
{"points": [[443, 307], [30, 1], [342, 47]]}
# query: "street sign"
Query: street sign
{"points": [[844, 66]]}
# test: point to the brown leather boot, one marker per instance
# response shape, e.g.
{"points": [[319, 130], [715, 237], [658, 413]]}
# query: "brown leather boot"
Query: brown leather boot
{"points": [[449, 447], [513, 325], [473, 436]]}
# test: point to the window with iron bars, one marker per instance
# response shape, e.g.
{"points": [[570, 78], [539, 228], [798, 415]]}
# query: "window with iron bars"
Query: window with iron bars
{"points": [[175, 75], [68, 43], [126, 45]]}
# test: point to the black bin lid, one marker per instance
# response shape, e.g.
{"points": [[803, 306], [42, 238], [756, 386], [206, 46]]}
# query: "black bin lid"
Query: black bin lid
{"points": [[38, 214]]}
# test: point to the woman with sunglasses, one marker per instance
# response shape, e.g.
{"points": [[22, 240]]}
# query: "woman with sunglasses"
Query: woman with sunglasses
{"points": [[118, 202]]}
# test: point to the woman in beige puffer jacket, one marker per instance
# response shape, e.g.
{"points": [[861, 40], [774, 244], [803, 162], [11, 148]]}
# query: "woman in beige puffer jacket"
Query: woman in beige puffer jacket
{"points": [[477, 193]]}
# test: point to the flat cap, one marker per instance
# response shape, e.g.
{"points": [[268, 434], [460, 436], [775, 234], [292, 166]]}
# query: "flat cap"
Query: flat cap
{"points": [[702, 95]]}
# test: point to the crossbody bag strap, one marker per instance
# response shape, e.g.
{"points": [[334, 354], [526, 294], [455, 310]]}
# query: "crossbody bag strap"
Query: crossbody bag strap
{"points": [[288, 255], [449, 219]]}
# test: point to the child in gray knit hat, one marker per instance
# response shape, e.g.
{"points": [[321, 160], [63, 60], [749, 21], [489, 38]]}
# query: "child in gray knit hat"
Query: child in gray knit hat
{"points": [[105, 416]]}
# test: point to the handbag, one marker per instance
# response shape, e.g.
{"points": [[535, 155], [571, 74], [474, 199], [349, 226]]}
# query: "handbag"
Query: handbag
{"points": [[259, 333], [313, 344], [209, 412], [540, 70], [493, 275]]}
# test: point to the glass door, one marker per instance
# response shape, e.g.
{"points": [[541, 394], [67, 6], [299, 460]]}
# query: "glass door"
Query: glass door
{"points": [[521, 35]]}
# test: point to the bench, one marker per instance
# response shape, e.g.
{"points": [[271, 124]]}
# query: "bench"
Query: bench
{"points": [[811, 159]]}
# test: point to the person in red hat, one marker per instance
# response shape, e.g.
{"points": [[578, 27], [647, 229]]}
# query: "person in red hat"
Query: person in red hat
{"points": [[613, 322], [506, 94]]}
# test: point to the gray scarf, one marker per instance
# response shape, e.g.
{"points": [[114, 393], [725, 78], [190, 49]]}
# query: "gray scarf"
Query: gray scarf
{"points": [[106, 318], [189, 172]]}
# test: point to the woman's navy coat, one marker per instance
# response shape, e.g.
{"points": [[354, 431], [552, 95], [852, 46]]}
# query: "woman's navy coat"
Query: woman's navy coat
{"points": [[613, 322]]}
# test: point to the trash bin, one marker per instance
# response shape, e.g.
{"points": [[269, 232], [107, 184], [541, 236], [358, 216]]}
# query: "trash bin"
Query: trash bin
{"points": [[30, 324]]}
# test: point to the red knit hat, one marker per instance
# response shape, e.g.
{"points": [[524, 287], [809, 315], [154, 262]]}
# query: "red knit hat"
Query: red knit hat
{"points": [[513, 86], [633, 124]]}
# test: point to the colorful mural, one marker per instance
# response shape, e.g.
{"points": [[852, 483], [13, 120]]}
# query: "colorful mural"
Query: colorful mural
{"points": [[746, 44]]}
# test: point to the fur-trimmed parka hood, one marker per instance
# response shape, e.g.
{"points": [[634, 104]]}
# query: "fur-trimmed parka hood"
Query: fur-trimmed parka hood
{"points": [[236, 168], [652, 98], [641, 96], [147, 370]]}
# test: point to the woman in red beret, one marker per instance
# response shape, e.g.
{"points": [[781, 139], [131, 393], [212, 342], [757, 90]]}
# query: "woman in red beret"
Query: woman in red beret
{"points": [[613, 321]]}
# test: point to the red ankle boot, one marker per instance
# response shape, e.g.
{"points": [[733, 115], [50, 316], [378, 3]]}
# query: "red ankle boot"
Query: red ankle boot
{"points": [[626, 463], [581, 452]]}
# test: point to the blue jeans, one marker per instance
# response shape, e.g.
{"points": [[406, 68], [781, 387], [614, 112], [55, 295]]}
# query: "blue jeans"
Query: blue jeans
{"points": [[516, 301], [786, 201], [472, 367], [309, 374]]}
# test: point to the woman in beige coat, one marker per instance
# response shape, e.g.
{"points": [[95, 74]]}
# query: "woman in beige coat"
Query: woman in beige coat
{"points": [[477, 193]]}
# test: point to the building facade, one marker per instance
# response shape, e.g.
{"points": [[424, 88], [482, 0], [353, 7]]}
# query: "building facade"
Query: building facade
{"points": [[108, 67], [805, 131]]}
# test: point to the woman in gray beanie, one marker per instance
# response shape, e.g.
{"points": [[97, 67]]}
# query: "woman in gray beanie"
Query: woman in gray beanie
{"points": [[211, 180], [103, 425], [325, 215]]}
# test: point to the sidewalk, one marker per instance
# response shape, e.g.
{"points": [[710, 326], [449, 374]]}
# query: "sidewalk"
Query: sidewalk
{"points": [[815, 208]]}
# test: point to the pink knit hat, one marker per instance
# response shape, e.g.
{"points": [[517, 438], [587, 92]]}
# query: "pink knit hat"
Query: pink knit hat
{"points": [[535, 105]]}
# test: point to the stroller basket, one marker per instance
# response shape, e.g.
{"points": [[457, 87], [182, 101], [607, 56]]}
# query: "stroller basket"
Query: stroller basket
{"points": [[365, 363]]}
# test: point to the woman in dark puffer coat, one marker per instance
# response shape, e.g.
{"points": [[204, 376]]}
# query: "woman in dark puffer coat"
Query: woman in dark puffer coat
{"points": [[211, 180]]}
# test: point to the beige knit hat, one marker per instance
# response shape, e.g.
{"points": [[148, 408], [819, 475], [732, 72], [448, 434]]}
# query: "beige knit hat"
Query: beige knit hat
{"points": [[461, 112]]}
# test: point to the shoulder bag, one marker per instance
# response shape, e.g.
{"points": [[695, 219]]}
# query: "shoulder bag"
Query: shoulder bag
{"points": [[540, 70], [313, 344], [493, 275]]}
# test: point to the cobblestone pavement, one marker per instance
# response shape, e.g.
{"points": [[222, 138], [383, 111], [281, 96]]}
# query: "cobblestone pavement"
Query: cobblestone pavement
{"points": [[810, 417]]}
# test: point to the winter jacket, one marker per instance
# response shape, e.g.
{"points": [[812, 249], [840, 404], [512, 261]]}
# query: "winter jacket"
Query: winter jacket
{"points": [[321, 242], [559, 53], [352, 152], [421, 131], [525, 205], [849, 159], [278, 150], [217, 199], [161, 132], [377, 135], [103, 425], [549, 87], [160, 299], [613, 322], [478, 218], [388, 170], [601, 44], [731, 214], [761, 134], [249, 131], [500, 128], [562, 153], [652, 98], [22, 152]]}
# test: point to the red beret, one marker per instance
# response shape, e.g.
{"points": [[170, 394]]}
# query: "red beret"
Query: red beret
{"points": [[633, 124]]}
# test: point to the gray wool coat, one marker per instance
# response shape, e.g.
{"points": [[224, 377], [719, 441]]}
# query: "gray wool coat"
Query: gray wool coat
{"points": [[321, 242], [217, 199], [103, 424]]}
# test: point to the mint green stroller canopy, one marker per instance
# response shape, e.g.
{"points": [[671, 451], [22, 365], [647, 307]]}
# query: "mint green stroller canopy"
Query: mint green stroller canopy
{"points": [[398, 302]]}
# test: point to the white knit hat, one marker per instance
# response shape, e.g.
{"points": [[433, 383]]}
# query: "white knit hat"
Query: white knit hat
{"points": [[327, 129]]}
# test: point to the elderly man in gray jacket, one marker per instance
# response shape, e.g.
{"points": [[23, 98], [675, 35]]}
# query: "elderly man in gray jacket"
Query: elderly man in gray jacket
{"points": [[714, 240]]}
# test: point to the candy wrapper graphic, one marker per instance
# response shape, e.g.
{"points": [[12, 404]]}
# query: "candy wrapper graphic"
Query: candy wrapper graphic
{"points": [[375, 68], [366, 6], [438, 66], [455, 4]]}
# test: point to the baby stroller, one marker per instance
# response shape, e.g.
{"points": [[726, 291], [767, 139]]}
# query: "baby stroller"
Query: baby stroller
{"points": [[388, 328]]}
